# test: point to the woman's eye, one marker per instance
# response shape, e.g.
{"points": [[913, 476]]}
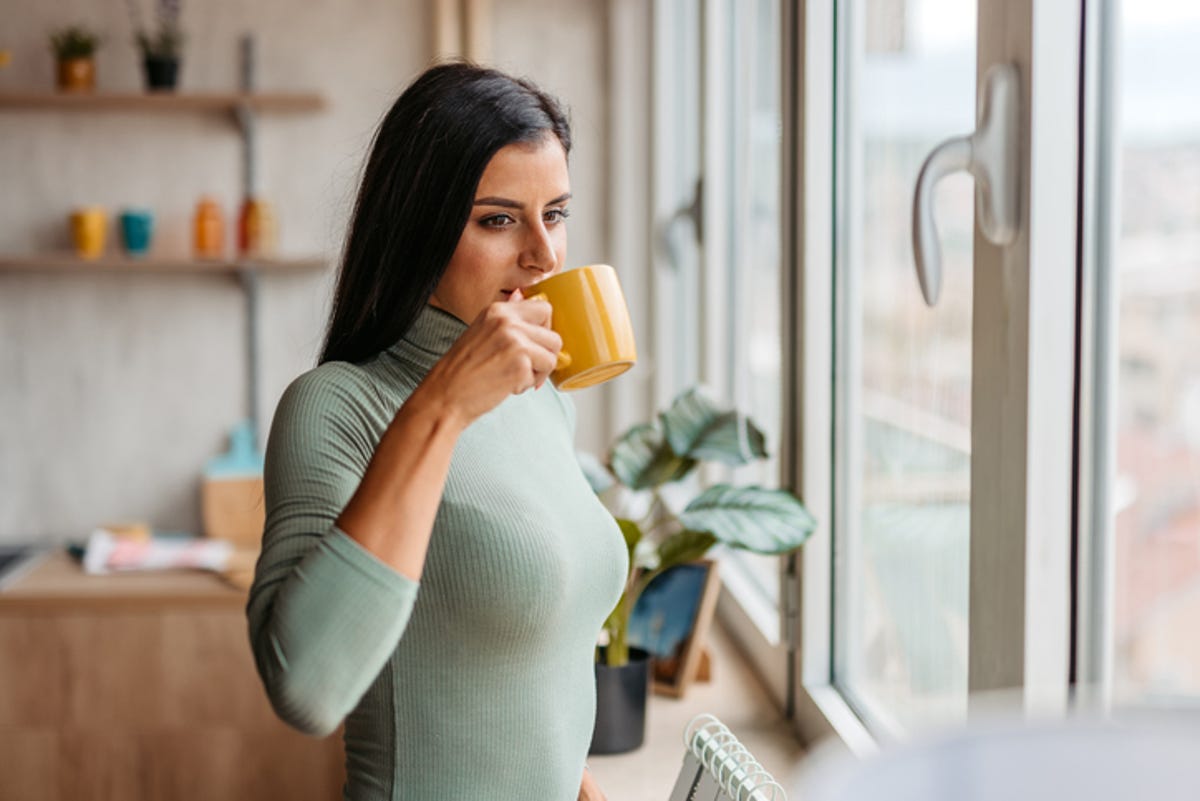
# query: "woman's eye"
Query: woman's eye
{"points": [[496, 221], [557, 215]]}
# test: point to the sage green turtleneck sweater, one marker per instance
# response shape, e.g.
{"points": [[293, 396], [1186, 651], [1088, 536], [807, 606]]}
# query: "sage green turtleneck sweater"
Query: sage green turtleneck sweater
{"points": [[475, 684]]}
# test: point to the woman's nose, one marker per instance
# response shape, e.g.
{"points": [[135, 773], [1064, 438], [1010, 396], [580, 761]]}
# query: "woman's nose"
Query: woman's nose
{"points": [[538, 253]]}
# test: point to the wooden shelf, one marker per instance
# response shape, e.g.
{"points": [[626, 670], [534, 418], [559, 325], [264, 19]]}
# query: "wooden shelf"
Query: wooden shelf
{"points": [[165, 101], [70, 263]]}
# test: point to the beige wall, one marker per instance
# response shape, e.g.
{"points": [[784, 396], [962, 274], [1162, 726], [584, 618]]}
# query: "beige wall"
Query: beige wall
{"points": [[115, 389], [561, 45]]}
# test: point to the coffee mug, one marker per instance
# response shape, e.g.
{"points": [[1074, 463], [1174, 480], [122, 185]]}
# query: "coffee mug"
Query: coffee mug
{"points": [[137, 228], [591, 317], [88, 227]]}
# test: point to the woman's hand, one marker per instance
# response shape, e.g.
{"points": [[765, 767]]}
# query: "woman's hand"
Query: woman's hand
{"points": [[507, 350], [588, 789]]}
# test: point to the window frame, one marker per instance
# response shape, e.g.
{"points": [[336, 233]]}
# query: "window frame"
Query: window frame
{"points": [[1020, 564], [755, 623], [694, 225], [1092, 654]]}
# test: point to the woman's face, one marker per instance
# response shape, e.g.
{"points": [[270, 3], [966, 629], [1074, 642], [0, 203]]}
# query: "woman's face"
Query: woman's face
{"points": [[516, 234]]}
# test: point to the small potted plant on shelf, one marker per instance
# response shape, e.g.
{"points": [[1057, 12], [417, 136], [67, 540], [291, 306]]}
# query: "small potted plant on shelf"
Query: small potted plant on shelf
{"points": [[74, 49], [647, 467], [161, 45]]}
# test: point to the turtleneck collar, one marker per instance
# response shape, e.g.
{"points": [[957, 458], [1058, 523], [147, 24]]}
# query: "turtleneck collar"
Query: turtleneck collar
{"points": [[430, 336]]}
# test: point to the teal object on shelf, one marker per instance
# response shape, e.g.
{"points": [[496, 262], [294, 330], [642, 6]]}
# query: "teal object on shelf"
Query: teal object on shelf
{"points": [[242, 460], [137, 226]]}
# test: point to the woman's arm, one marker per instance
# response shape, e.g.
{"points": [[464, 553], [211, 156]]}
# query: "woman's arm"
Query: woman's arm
{"points": [[508, 350], [348, 529]]}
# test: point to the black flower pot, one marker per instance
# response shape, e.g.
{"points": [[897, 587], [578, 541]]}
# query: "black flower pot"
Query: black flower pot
{"points": [[161, 73], [621, 704]]}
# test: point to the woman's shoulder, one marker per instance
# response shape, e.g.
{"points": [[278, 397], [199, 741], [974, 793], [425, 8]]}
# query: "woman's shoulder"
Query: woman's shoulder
{"points": [[331, 381], [331, 388], [328, 408]]}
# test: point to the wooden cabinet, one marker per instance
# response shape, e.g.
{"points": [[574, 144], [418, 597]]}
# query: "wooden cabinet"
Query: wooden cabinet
{"points": [[142, 686]]}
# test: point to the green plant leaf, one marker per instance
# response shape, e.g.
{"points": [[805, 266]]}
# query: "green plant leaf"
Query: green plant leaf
{"points": [[641, 459], [683, 546], [596, 474], [633, 535], [617, 626], [697, 429], [74, 41], [754, 519]]}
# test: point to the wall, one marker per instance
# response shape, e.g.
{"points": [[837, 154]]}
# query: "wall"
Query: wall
{"points": [[596, 56], [115, 389]]}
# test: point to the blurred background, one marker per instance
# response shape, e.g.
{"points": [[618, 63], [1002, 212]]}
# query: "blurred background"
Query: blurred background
{"points": [[112, 411], [748, 166]]}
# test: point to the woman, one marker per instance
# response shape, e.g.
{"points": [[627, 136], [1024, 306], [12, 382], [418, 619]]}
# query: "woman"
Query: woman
{"points": [[435, 567]]}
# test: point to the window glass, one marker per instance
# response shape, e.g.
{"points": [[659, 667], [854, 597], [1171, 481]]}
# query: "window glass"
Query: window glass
{"points": [[678, 140], [752, 269], [1157, 261], [902, 399]]}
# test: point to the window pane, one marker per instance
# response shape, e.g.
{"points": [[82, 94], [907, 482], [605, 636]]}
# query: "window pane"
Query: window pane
{"points": [[903, 396], [753, 348], [677, 165], [1157, 263]]}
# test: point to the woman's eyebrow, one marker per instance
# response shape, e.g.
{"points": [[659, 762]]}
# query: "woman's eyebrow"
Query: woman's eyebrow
{"points": [[506, 203], [497, 201]]}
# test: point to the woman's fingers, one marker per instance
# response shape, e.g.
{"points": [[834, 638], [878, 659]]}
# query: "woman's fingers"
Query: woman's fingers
{"points": [[543, 362], [547, 339], [538, 312], [509, 349], [525, 324], [534, 310]]}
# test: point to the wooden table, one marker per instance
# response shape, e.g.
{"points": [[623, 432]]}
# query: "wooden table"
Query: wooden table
{"points": [[142, 686]]}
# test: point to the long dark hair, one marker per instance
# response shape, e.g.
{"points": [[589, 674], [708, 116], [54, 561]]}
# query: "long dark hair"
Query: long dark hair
{"points": [[417, 190]]}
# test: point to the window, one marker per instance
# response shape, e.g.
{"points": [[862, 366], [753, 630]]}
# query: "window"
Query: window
{"points": [[1146, 543], [934, 441], [718, 300], [748, 277], [903, 398], [676, 188], [1005, 481]]}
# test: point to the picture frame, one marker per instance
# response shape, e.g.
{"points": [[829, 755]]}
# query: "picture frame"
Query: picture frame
{"points": [[671, 620]]}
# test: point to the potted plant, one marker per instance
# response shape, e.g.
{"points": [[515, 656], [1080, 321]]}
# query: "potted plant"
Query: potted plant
{"points": [[75, 48], [649, 463], [161, 46]]}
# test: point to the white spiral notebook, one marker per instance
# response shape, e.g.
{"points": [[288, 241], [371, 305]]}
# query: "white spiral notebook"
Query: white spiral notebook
{"points": [[716, 767]]}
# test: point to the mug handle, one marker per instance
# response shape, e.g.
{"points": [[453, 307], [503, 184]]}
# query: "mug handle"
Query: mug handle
{"points": [[564, 358]]}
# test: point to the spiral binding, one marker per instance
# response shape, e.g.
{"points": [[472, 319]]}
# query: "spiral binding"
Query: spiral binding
{"points": [[737, 772]]}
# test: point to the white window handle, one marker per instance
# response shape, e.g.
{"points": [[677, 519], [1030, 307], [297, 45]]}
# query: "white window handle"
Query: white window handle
{"points": [[991, 154]]}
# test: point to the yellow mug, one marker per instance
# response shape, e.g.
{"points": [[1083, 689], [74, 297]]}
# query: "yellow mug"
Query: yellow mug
{"points": [[591, 317], [88, 227]]}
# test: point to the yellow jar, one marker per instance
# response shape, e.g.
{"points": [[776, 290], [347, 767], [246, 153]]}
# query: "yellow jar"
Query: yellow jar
{"points": [[88, 228]]}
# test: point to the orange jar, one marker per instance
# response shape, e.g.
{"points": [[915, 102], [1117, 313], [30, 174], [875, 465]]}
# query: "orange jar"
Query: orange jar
{"points": [[209, 230], [77, 74]]}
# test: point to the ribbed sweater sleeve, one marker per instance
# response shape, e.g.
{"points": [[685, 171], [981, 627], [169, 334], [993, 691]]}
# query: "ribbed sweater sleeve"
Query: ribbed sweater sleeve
{"points": [[324, 614]]}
